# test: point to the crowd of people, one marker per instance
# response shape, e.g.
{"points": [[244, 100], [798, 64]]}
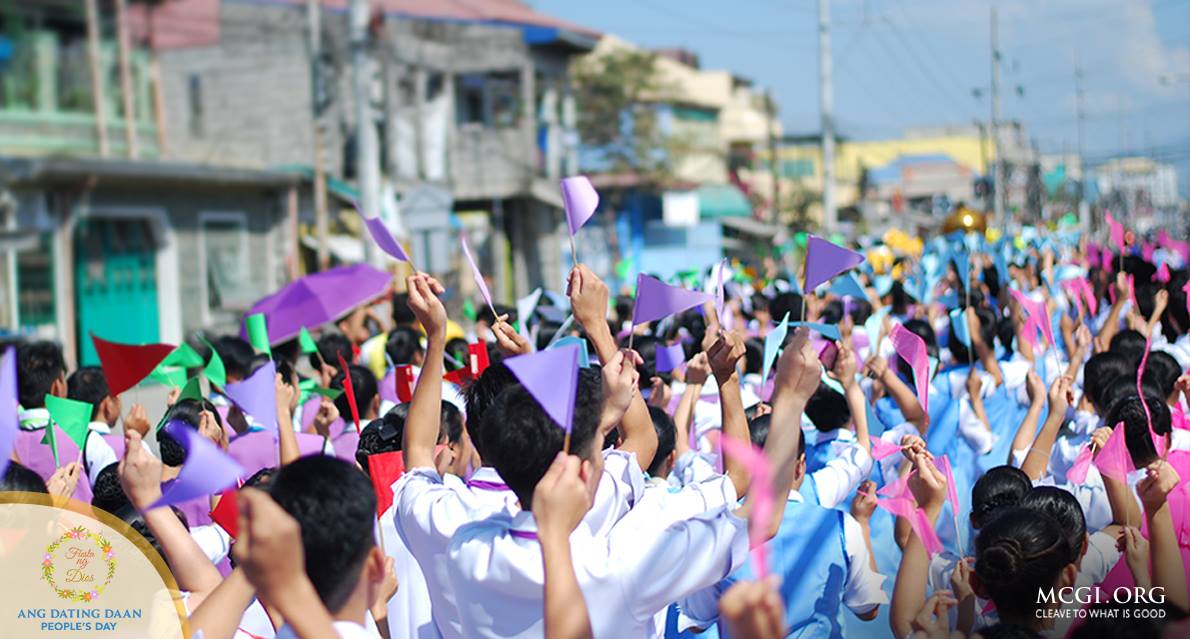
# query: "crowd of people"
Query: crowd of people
{"points": [[983, 439]]}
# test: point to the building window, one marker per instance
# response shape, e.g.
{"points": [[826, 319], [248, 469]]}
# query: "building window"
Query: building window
{"points": [[35, 284], [488, 99], [194, 97], [797, 168], [225, 253]]}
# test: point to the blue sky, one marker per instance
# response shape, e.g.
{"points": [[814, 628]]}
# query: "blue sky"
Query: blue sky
{"points": [[901, 63]]}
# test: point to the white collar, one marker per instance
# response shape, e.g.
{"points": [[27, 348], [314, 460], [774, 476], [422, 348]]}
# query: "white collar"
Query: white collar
{"points": [[100, 427], [796, 497]]}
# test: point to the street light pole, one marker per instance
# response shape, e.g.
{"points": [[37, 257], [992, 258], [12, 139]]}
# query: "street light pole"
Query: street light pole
{"points": [[826, 107], [997, 155]]}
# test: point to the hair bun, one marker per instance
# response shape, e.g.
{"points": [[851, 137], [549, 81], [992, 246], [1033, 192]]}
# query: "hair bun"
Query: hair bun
{"points": [[1001, 560]]}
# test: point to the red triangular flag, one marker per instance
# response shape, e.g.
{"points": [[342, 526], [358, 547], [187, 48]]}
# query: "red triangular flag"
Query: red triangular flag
{"points": [[404, 380], [350, 390], [226, 513], [479, 358], [458, 376], [384, 469], [124, 365]]}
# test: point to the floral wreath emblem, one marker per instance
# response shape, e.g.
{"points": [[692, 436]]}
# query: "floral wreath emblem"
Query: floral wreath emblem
{"points": [[79, 533]]}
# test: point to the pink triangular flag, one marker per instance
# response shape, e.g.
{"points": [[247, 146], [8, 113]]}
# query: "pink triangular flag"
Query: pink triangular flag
{"points": [[912, 348], [1116, 232], [898, 489], [1089, 296], [917, 520], [1114, 460], [825, 260], [952, 493], [882, 449], [580, 201], [656, 299], [479, 281], [1081, 466], [1146, 251], [551, 377], [763, 495], [1038, 315]]}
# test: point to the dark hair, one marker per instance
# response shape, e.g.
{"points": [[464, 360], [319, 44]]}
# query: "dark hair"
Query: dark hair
{"points": [[19, 478], [1162, 371], [666, 434], [786, 303], [479, 396], [39, 365], [753, 356], [1017, 555], [1065, 509], [922, 329], [330, 346], [1131, 411], [382, 435], [1099, 371], [1176, 318], [402, 316], [363, 384], [261, 479], [237, 356], [522, 440], [187, 411], [999, 488], [1130, 344], [986, 325], [452, 423], [107, 493], [458, 349], [1006, 332], [827, 409], [334, 505], [403, 345], [87, 384], [758, 430]]}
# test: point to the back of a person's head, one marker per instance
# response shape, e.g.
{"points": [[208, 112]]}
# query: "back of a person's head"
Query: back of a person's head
{"points": [[758, 430], [107, 493], [334, 504], [21, 479], [1018, 555], [647, 347], [986, 325], [1063, 507], [1099, 372], [1103, 621], [331, 345], [39, 365], [403, 345], [402, 315], [382, 435], [1175, 321], [87, 384], [237, 356], [1131, 412], [1162, 372], [1006, 333], [363, 384], [788, 303], [452, 423], [666, 434], [1130, 344], [828, 409], [479, 396], [753, 356], [188, 412], [1000, 488], [521, 440]]}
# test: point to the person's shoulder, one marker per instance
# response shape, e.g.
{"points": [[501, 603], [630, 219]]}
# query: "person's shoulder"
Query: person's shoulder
{"points": [[482, 531]]}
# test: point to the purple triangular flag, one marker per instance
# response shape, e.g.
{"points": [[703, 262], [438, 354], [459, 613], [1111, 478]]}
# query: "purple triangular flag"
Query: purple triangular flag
{"points": [[483, 286], [825, 260], [9, 421], [551, 377], [257, 395], [206, 471], [670, 357], [383, 237], [656, 299], [580, 200]]}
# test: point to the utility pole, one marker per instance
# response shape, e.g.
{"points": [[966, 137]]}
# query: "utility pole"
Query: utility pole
{"points": [[367, 157], [1084, 211], [826, 106], [95, 61], [997, 151], [124, 52], [314, 29]]}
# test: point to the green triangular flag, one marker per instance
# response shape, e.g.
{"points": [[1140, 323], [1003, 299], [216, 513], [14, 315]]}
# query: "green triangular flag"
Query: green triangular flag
{"points": [[469, 310], [329, 393], [171, 375], [215, 372], [258, 333], [306, 343], [72, 416], [184, 356], [192, 390]]}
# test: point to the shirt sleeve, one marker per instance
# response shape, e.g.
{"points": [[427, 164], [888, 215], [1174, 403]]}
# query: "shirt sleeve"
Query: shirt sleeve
{"points": [[864, 589], [215, 543], [428, 512], [693, 467], [688, 556], [99, 455], [620, 486], [1102, 555], [941, 568], [842, 475]]}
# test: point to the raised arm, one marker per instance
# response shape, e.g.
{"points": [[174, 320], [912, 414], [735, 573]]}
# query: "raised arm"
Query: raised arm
{"points": [[909, 592], [697, 371], [1112, 325], [286, 438], [140, 476], [906, 399], [218, 617], [1038, 459], [985, 353], [1168, 570], [1028, 428], [559, 503], [723, 355], [425, 410], [844, 371], [588, 301]]}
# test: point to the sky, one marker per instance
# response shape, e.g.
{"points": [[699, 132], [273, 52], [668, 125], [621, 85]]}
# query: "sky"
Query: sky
{"points": [[901, 63]]}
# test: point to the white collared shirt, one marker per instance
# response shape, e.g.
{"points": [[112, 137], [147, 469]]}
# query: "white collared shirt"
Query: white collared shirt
{"points": [[842, 474], [639, 568], [410, 615]]}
